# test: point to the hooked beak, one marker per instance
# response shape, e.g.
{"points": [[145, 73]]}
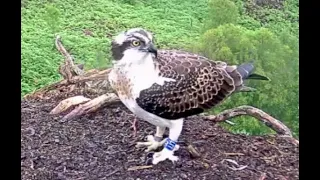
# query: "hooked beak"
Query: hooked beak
{"points": [[151, 49]]}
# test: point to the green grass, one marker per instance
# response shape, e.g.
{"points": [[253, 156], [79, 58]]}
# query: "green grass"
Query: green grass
{"points": [[176, 24]]}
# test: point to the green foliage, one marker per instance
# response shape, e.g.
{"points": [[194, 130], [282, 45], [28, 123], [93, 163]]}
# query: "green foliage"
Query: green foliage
{"points": [[275, 53], [52, 18], [221, 12]]}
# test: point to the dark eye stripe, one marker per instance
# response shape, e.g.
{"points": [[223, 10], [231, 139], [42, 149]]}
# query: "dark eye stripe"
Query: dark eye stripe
{"points": [[118, 49]]}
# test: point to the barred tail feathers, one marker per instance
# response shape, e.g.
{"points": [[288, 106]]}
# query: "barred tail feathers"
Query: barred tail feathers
{"points": [[243, 72]]}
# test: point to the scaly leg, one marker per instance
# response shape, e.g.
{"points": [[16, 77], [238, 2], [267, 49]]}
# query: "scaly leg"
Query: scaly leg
{"points": [[153, 142], [134, 126], [170, 144]]}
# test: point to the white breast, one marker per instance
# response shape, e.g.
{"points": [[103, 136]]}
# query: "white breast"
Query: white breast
{"points": [[144, 115], [142, 75]]}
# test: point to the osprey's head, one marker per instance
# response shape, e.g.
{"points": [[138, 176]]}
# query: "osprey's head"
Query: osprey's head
{"points": [[136, 42]]}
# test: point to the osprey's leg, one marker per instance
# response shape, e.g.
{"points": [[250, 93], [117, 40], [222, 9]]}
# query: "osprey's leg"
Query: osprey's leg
{"points": [[153, 142], [134, 126], [170, 144]]}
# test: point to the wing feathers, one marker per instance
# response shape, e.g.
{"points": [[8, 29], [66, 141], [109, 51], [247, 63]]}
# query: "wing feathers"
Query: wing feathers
{"points": [[200, 84]]}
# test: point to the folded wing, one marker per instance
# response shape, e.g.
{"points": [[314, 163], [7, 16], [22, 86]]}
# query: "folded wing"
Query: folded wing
{"points": [[199, 84]]}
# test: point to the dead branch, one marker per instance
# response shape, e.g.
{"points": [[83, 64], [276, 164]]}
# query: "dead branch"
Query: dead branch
{"points": [[73, 75], [99, 78], [68, 69], [193, 152], [67, 103], [233, 154], [138, 168], [91, 106], [268, 120]]}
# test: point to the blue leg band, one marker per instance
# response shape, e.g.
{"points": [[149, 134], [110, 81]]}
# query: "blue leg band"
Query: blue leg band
{"points": [[169, 144]]}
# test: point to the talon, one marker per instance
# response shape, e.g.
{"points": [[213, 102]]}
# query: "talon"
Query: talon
{"points": [[163, 155], [150, 138], [151, 144], [149, 158], [150, 154], [177, 164], [142, 144], [149, 161], [176, 148]]}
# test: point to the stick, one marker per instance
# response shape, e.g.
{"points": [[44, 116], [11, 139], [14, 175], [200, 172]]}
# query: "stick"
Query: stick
{"points": [[233, 154], [231, 123], [138, 168], [91, 106], [67, 103], [71, 73], [68, 70], [268, 120], [101, 75], [194, 153]]}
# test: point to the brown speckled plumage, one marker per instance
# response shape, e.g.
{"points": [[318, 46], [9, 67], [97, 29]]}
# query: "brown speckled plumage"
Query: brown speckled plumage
{"points": [[200, 84], [122, 86]]}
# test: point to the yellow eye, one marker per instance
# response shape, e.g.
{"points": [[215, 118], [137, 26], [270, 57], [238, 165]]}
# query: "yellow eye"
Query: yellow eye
{"points": [[135, 43]]}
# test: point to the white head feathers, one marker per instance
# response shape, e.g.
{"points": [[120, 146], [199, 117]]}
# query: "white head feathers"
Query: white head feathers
{"points": [[137, 32]]}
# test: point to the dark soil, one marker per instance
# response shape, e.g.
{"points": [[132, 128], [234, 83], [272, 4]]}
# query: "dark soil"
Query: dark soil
{"points": [[102, 146]]}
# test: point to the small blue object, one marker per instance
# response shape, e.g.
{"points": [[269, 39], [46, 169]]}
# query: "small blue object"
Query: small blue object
{"points": [[170, 144]]}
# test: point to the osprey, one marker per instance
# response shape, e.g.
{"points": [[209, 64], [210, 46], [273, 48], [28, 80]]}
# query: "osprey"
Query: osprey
{"points": [[163, 87]]}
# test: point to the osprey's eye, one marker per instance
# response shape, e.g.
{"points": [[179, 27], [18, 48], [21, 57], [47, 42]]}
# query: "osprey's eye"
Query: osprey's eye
{"points": [[135, 43]]}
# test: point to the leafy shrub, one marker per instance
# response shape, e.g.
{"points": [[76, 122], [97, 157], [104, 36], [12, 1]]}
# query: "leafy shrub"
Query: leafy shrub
{"points": [[275, 54]]}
